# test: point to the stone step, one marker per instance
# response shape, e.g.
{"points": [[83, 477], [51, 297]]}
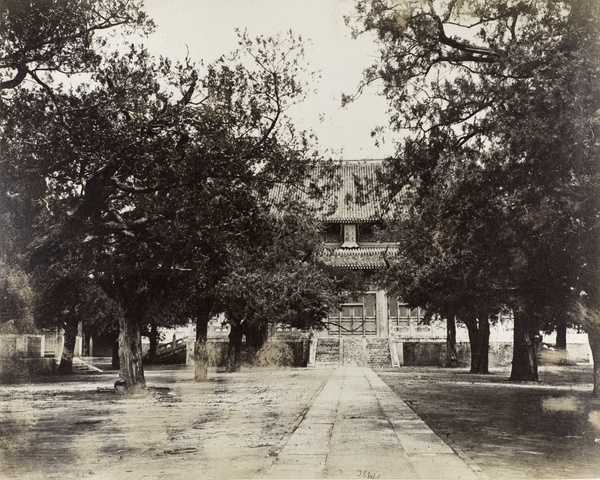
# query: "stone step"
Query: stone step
{"points": [[378, 353], [79, 366]]}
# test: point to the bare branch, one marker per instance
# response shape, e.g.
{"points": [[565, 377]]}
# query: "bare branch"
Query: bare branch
{"points": [[17, 79]]}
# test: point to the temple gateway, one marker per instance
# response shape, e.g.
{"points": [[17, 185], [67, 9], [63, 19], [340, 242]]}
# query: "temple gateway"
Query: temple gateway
{"points": [[375, 329]]}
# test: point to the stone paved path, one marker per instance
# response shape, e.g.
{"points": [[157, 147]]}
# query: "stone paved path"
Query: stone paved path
{"points": [[357, 427]]}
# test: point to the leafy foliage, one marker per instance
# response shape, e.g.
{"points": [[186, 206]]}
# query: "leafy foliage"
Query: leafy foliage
{"points": [[498, 103], [152, 177], [16, 301], [59, 36], [285, 282]]}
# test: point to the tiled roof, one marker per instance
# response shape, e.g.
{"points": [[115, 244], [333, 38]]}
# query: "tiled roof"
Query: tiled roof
{"points": [[354, 197], [352, 192], [362, 258]]}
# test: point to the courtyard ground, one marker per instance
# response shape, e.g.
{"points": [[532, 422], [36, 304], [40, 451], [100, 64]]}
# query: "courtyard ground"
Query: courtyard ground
{"points": [[545, 429], [303, 423]]}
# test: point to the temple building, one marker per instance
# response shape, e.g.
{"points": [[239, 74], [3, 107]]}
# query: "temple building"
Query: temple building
{"points": [[375, 329]]}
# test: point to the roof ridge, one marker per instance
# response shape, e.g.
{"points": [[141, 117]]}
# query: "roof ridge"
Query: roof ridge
{"points": [[363, 160]]}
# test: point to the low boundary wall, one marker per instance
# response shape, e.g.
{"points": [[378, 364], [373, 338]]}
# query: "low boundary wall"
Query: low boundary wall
{"points": [[276, 353], [500, 354], [22, 356], [22, 346]]}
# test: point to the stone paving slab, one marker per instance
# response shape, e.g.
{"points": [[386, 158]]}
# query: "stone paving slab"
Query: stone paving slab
{"points": [[357, 427]]}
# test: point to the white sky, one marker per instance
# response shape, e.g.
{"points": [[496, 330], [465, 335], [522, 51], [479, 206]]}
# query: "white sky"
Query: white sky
{"points": [[207, 29]]}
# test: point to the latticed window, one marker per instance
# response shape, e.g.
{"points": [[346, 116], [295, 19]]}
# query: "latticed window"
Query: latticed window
{"points": [[366, 233], [332, 233], [355, 318], [400, 315]]}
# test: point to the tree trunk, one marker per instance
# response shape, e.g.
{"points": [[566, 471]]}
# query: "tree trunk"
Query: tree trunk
{"points": [[235, 348], [130, 354], [256, 337], [479, 341], [470, 321], [524, 363], [85, 341], [561, 342], [201, 352], [66, 361], [153, 337], [594, 340], [451, 354], [590, 318], [561, 336], [115, 363], [483, 345]]}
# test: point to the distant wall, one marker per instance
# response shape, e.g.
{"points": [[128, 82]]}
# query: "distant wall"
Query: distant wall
{"points": [[500, 354], [276, 352], [434, 354], [22, 356], [22, 369], [22, 346]]}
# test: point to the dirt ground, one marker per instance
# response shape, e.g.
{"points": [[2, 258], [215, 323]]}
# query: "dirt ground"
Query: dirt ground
{"points": [[546, 429], [228, 427], [233, 425]]}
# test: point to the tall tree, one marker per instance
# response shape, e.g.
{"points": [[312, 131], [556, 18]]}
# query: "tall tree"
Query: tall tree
{"points": [[42, 41], [153, 174], [281, 281], [254, 147], [448, 258], [97, 163], [506, 90]]}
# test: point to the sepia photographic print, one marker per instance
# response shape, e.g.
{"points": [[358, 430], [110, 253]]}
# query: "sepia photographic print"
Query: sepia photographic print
{"points": [[247, 239]]}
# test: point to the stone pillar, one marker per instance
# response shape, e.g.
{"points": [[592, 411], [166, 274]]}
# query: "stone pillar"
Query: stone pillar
{"points": [[394, 353], [189, 350], [312, 349], [383, 323], [400, 353], [60, 343]]}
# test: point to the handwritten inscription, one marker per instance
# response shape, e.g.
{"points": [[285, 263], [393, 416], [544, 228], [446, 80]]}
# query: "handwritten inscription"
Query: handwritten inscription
{"points": [[368, 474]]}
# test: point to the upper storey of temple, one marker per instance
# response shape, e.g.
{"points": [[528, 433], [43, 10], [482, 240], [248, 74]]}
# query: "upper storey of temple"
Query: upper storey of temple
{"points": [[352, 204], [350, 191]]}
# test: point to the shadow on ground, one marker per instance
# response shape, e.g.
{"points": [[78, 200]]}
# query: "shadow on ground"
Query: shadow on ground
{"points": [[233, 425], [546, 429]]}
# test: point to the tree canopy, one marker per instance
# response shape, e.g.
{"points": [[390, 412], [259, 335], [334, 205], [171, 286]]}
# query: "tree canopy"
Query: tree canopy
{"points": [[151, 176], [59, 36], [43, 42], [498, 103]]}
